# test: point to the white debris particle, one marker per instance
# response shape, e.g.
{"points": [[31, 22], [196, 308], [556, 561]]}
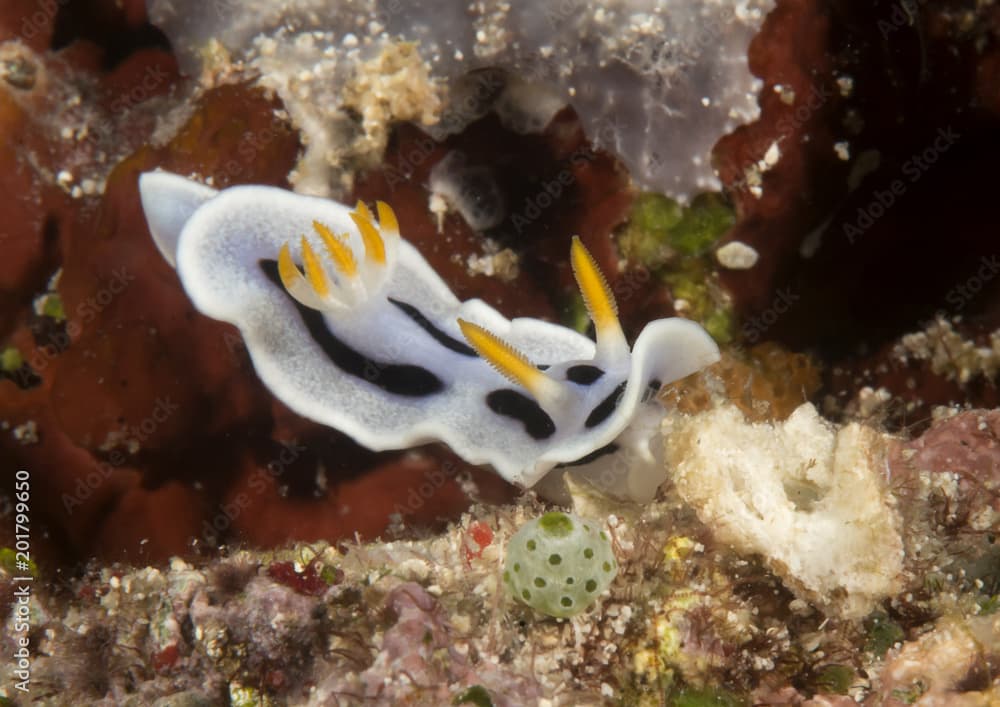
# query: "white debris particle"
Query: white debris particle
{"points": [[26, 433], [785, 93], [737, 255], [846, 85], [843, 150], [772, 155]]}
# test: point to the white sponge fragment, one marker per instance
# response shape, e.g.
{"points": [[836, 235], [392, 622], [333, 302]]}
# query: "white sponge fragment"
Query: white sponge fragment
{"points": [[808, 497]]}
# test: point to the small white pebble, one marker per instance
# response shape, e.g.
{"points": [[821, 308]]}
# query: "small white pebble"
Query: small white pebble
{"points": [[772, 155], [737, 255]]}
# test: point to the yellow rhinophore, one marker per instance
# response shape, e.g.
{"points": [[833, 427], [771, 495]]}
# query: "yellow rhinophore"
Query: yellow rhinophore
{"points": [[598, 298], [374, 245], [340, 253], [511, 363]]}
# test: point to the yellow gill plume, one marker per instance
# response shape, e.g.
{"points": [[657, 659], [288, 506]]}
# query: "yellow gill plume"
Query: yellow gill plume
{"points": [[316, 289]]}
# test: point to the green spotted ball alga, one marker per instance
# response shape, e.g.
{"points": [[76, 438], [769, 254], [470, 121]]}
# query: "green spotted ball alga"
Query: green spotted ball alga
{"points": [[559, 564]]}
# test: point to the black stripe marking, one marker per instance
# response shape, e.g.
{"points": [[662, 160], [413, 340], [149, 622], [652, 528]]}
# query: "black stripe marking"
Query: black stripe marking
{"points": [[604, 408], [427, 325], [583, 374], [609, 448], [398, 379], [518, 406]]}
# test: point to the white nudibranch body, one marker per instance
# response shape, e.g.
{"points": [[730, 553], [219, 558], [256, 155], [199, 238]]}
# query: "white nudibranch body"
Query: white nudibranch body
{"points": [[349, 326]]}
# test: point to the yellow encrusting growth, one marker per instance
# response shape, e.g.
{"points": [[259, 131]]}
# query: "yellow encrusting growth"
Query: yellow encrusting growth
{"points": [[596, 293], [374, 245], [340, 252], [314, 271]]}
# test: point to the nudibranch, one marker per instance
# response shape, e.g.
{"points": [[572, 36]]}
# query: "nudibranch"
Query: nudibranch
{"points": [[349, 326]]}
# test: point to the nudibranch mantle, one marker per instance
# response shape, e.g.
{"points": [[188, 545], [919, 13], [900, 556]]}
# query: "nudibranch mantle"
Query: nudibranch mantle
{"points": [[379, 348]]}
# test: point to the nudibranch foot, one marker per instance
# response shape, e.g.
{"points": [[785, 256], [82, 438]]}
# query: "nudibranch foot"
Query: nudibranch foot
{"points": [[362, 335]]}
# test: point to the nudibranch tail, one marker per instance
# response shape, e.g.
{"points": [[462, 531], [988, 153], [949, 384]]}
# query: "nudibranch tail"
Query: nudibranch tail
{"points": [[513, 365], [600, 301]]}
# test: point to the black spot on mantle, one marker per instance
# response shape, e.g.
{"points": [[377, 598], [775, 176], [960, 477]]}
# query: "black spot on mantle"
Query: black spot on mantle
{"points": [[518, 406]]}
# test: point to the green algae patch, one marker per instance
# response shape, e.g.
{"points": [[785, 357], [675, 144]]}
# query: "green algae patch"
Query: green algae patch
{"points": [[9, 564], [52, 306], [675, 243], [556, 524], [703, 222], [660, 227], [476, 696], [11, 359], [646, 238], [835, 679], [693, 281], [706, 697], [883, 634]]}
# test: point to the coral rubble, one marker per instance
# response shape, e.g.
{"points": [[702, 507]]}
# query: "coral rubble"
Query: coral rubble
{"points": [[810, 499]]}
